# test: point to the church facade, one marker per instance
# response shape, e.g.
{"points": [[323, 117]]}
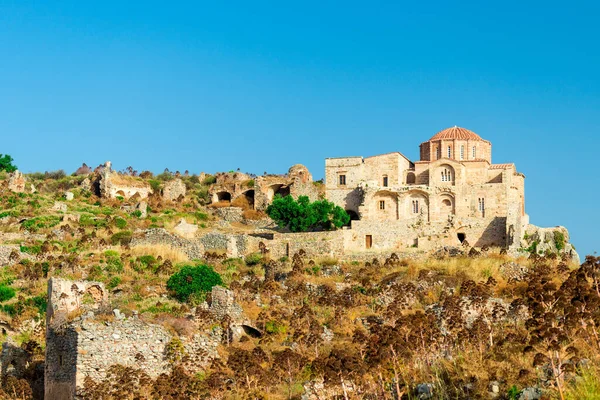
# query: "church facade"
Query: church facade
{"points": [[453, 194]]}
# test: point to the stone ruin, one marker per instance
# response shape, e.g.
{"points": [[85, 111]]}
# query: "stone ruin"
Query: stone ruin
{"points": [[81, 346], [174, 190], [258, 192], [18, 184], [110, 185]]}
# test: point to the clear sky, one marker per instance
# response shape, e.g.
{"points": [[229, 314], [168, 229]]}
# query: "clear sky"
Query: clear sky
{"points": [[220, 85]]}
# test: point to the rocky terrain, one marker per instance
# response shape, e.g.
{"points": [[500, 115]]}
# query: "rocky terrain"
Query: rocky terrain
{"points": [[455, 323]]}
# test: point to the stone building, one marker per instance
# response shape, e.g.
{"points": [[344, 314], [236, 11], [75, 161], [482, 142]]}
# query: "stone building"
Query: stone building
{"points": [[452, 194], [258, 192]]}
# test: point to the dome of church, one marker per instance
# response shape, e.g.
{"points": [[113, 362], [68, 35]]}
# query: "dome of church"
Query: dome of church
{"points": [[456, 132]]}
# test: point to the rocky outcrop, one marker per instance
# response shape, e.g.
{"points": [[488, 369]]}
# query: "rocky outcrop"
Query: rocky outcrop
{"points": [[18, 184], [549, 241], [174, 190]]}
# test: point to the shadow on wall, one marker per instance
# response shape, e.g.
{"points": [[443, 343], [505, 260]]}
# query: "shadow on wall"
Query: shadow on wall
{"points": [[494, 234], [61, 363]]}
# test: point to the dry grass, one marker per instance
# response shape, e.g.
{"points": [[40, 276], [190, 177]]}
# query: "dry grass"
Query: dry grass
{"points": [[220, 204], [162, 250]]}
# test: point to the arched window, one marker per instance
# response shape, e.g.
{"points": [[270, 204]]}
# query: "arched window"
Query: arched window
{"points": [[474, 152], [462, 152], [382, 204], [446, 175], [482, 206], [449, 152], [415, 206]]}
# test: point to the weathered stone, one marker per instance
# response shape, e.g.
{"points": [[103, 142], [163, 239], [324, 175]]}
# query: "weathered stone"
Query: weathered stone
{"points": [[142, 206], [69, 196], [173, 190], [185, 230], [16, 182], [113, 185]]}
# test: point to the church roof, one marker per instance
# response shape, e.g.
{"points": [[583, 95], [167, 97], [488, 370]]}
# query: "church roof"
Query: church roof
{"points": [[456, 132]]}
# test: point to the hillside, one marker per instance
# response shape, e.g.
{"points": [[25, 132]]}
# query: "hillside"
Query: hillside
{"points": [[451, 323]]}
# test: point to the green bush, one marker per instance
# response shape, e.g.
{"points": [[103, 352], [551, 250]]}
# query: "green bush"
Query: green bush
{"points": [[209, 180], [155, 185], [123, 238], [137, 213], [31, 249], [6, 163], [253, 259], [301, 215], [89, 220], [193, 279], [113, 262], [559, 240], [42, 222], [6, 293], [120, 223], [114, 282], [200, 216]]}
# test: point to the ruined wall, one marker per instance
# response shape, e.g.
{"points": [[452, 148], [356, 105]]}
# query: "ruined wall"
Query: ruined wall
{"points": [[78, 346], [173, 190], [111, 185], [192, 248]]}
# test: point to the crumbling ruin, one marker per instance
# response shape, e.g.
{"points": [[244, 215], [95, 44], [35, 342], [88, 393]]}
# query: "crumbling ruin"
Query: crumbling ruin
{"points": [[81, 346], [258, 192]]}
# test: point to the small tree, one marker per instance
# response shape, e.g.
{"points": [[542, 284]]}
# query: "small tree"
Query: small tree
{"points": [[6, 163], [191, 280], [302, 215]]}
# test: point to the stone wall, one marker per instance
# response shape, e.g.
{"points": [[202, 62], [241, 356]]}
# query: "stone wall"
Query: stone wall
{"points": [[79, 346], [173, 190], [158, 236], [111, 185]]}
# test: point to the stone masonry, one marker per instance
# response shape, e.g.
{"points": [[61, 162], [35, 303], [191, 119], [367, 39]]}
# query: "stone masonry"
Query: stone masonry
{"points": [[79, 346]]}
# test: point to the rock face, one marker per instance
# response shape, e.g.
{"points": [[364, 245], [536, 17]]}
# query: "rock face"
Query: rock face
{"points": [[549, 240], [173, 190]]}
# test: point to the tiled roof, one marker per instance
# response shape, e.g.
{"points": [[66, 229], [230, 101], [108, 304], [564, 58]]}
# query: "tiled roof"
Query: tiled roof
{"points": [[502, 166], [456, 132]]}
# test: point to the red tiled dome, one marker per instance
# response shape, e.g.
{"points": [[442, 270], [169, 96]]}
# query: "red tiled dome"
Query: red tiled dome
{"points": [[456, 132]]}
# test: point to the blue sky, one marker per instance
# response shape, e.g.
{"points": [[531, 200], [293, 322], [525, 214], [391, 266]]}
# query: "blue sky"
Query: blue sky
{"points": [[216, 86]]}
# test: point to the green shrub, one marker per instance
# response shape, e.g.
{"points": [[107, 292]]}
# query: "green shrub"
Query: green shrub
{"points": [[6, 163], [123, 238], [113, 262], [47, 221], [31, 249], [253, 259], [559, 240], [120, 223], [193, 279], [114, 282], [155, 185], [301, 215], [137, 213], [90, 220], [200, 216], [275, 327], [209, 180], [6, 293]]}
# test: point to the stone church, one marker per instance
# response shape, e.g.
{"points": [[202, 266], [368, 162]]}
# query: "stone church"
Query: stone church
{"points": [[453, 194]]}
